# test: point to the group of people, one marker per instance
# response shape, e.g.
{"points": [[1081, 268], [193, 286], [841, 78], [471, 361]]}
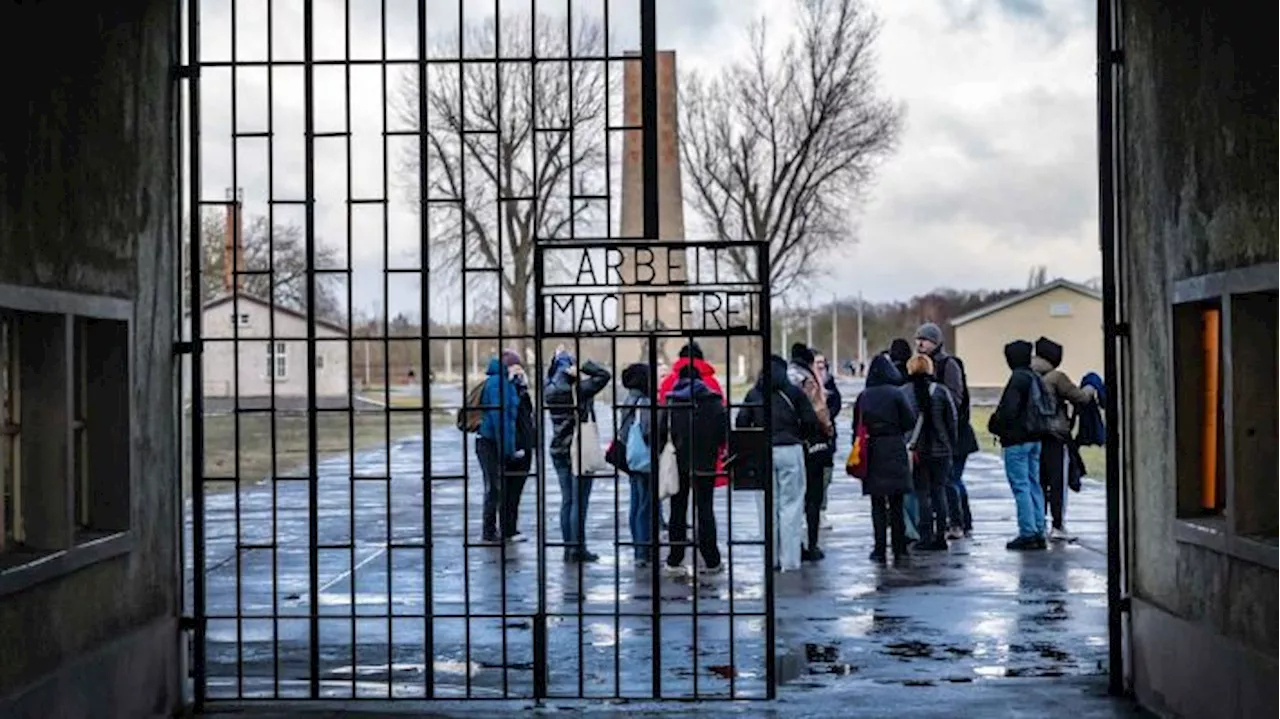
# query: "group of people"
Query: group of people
{"points": [[913, 419]]}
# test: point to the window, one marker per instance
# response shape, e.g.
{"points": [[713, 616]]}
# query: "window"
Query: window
{"points": [[319, 361], [65, 433], [1060, 309], [241, 319], [1225, 405], [277, 360]]}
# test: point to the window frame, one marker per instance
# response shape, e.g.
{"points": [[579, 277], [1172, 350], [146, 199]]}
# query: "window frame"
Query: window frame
{"points": [[277, 360], [1219, 531], [65, 546]]}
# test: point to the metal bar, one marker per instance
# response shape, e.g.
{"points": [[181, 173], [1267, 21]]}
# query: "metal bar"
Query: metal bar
{"points": [[540, 672], [428, 483], [351, 424], [1108, 14], [234, 273], [196, 301], [313, 490], [271, 375], [466, 486], [501, 480], [386, 262], [763, 270]]}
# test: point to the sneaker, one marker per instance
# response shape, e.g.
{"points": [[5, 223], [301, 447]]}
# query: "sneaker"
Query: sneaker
{"points": [[588, 557], [968, 533], [712, 570], [877, 555], [1022, 544], [1060, 534], [517, 538], [490, 538], [674, 570], [642, 564], [955, 533], [1041, 543]]}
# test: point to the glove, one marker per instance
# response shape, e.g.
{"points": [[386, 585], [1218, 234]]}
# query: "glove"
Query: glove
{"points": [[519, 454]]}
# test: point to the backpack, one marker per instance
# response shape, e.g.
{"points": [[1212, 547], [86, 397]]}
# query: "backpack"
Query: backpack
{"points": [[469, 415], [1042, 408]]}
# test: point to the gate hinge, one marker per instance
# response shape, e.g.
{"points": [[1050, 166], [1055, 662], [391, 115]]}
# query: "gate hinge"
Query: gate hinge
{"points": [[1126, 604], [1122, 329], [186, 624], [188, 72], [1116, 57], [184, 347]]}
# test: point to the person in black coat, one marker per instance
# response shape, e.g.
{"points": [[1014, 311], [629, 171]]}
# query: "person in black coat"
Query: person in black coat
{"points": [[518, 467], [794, 423], [694, 419], [835, 403], [884, 410]]}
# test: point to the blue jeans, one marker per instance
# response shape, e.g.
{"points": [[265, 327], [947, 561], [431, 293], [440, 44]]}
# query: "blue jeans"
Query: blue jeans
{"points": [[575, 492], [958, 497], [1022, 467], [640, 514]]}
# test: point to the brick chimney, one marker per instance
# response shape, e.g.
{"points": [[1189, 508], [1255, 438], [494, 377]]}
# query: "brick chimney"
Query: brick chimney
{"points": [[233, 242]]}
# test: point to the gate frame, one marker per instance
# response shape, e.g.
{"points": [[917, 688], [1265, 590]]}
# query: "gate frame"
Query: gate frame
{"points": [[195, 617]]}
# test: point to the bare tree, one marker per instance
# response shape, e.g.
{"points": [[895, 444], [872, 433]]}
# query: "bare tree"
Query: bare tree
{"points": [[508, 146], [780, 146], [282, 249]]}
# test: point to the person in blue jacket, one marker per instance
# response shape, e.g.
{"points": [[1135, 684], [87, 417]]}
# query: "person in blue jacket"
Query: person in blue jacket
{"points": [[496, 444]]}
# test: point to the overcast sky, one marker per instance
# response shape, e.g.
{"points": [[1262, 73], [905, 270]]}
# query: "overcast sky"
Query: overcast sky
{"points": [[995, 173]]}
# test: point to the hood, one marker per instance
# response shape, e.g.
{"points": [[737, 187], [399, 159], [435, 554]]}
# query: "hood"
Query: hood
{"points": [[704, 369], [1018, 354], [688, 389], [773, 376], [900, 351], [636, 377], [1049, 351], [802, 354], [882, 372], [1041, 366], [559, 363], [495, 366]]}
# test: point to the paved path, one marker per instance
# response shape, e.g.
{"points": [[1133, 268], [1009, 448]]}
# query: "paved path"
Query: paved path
{"points": [[945, 623]]}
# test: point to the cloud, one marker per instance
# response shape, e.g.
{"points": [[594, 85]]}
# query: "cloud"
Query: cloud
{"points": [[995, 173]]}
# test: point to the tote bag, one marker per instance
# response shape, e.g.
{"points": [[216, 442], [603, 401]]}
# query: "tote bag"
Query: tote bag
{"points": [[668, 473], [585, 453]]}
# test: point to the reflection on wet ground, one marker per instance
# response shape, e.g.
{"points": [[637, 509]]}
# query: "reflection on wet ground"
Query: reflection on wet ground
{"points": [[973, 613]]}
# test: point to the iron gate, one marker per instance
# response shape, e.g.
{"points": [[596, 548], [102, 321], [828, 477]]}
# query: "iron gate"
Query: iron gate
{"points": [[388, 203]]}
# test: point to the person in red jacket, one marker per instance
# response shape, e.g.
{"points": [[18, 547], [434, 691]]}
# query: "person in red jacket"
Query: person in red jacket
{"points": [[691, 353]]}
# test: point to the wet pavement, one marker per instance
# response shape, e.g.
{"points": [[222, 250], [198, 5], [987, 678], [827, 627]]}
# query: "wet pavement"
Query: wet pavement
{"points": [[960, 626]]}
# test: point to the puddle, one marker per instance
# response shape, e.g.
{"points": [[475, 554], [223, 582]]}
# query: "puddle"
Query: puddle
{"points": [[910, 650]]}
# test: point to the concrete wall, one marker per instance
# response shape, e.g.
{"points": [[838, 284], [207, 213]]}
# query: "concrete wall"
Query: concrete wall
{"points": [[981, 342], [220, 357], [88, 204], [1200, 197]]}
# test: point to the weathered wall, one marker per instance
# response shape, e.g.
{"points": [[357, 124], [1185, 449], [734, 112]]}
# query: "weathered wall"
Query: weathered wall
{"points": [[88, 203], [1200, 192]]}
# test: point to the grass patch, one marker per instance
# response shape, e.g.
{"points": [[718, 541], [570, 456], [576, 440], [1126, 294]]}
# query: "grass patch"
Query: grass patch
{"points": [[1095, 458], [336, 435]]}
